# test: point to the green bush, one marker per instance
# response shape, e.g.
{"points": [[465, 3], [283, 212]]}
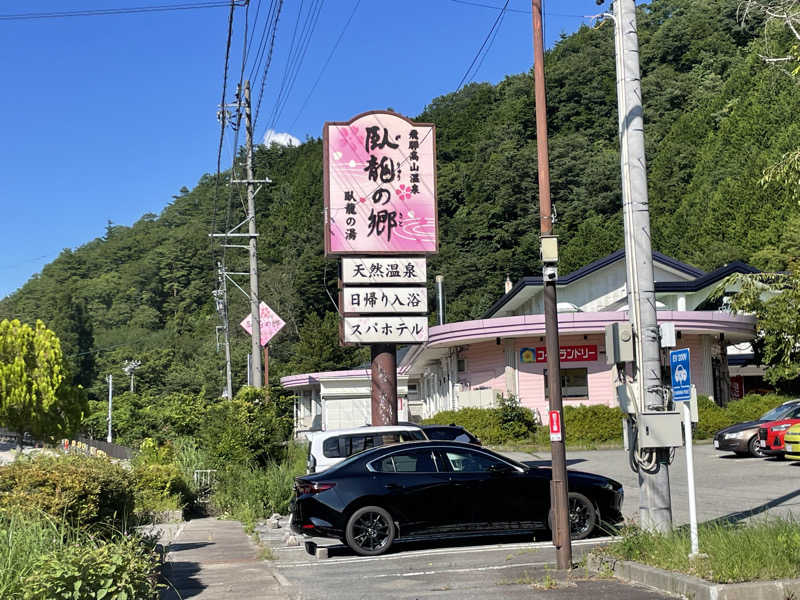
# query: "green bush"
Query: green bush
{"points": [[508, 422], [120, 569], [160, 482], [595, 424], [712, 418], [83, 490], [248, 493]]}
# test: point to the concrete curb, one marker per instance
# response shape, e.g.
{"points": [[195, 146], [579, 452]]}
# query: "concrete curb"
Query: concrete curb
{"points": [[694, 587]]}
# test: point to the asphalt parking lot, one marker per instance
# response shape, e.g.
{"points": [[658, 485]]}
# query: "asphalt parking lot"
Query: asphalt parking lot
{"points": [[727, 487]]}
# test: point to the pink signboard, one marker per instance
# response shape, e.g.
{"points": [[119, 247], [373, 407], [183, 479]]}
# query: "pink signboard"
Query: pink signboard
{"points": [[269, 322], [380, 186]]}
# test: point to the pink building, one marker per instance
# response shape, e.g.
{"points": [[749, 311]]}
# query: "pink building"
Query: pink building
{"points": [[469, 362]]}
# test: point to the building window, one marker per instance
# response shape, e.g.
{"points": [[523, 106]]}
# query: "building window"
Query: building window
{"points": [[461, 365], [574, 383]]}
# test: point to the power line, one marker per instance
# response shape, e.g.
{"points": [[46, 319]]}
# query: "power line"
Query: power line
{"points": [[295, 61], [268, 62], [489, 35], [515, 10], [325, 66], [102, 12]]}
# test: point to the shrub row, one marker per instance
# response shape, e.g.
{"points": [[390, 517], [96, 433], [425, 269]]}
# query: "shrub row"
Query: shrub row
{"points": [[595, 424]]}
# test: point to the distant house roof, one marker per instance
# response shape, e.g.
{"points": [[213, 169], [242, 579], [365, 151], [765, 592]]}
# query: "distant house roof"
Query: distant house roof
{"points": [[698, 278]]}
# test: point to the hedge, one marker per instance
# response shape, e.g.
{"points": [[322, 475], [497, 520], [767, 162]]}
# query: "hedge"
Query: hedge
{"points": [[595, 424], [83, 490]]}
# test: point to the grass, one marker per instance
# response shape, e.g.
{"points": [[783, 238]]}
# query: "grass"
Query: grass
{"points": [[732, 553], [23, 539]]}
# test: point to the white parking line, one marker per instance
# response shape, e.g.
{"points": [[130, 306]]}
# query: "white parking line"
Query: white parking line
{"points": [[470, 570], [441, 551]]}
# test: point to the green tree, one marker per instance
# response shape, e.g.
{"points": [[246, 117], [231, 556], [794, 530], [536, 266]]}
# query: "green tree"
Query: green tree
{"points": [[33, 394]]}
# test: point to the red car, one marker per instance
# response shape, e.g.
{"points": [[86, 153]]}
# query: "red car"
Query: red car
{"points": [[770, 435]]}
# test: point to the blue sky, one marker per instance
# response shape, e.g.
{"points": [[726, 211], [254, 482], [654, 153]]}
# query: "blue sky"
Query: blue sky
{"points": [[107, 117]]}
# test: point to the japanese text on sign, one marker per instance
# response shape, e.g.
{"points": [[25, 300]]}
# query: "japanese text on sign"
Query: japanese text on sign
{"points": [[269, 323], [385, 300], [383, 270], [386, 330], [380, 185], [566, 354]]}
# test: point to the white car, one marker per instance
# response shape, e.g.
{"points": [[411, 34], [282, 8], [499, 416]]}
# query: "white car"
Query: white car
{"points": [[330, 447]]}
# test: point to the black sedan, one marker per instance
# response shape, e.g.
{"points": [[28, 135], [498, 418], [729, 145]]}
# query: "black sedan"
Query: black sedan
{"points": [[441, 489], [742, 438]]}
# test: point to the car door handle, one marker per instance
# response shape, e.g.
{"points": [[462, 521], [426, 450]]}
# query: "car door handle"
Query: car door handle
{"points": [[393, 486]]}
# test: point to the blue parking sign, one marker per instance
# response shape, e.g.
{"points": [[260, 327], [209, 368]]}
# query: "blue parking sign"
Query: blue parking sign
{"points": [[681, 375]]}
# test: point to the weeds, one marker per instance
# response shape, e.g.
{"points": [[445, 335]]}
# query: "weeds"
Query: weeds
{"points": [[729, 548]]}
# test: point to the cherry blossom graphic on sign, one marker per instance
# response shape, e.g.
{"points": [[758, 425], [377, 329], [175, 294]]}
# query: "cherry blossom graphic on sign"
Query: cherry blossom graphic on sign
{"points": [[380, 186], [270, 323]]}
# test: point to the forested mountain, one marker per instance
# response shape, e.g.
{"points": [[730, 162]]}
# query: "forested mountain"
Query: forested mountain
{"points": [[715, 116]]}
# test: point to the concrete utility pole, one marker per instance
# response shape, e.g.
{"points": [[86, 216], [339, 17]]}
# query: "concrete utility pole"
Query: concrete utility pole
{"points": [[255, 364], [654, 493], [558, 485], [110, 401], [221, 297]]}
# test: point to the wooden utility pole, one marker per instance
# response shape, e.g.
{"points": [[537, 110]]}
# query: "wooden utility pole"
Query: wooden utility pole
{"points": [[558, 484]]}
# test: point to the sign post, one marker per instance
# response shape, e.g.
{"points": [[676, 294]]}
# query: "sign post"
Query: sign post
{"points": [[269, 324], [380, 204], [681, 376]]}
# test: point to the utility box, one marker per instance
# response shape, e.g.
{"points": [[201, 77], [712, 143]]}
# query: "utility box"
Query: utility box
{"points": [[660, 430], [619, 343]]}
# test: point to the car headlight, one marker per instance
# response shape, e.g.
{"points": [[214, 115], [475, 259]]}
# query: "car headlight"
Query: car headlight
{"points": [[780, 427], [737, 435]]}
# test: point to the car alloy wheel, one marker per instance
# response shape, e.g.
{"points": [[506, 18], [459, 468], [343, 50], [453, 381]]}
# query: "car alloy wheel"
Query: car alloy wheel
{"points": [[582, 516], [755, 448], [370, 531]]}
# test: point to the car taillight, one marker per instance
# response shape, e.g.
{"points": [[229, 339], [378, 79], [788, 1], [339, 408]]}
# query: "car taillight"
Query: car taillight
{"points": [[305, 487]]}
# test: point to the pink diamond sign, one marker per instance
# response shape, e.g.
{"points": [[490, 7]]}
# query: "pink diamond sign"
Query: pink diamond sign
{"points": [[269, 321]]}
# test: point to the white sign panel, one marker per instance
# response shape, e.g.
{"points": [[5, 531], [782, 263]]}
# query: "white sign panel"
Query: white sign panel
{"points": [[380, 300], [368, 269], [386, 330]]}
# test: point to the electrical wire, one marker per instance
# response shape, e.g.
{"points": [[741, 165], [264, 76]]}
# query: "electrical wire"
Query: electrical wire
{"points": [[295, 61], [102, 12], [489, 35], [327, 62], [267, 63]]}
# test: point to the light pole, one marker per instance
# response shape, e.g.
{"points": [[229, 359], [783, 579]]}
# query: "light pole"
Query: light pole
{"points": [[129, 367]]}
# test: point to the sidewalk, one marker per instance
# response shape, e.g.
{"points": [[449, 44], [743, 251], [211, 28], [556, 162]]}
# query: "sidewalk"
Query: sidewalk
{"points": [[209, 559]]}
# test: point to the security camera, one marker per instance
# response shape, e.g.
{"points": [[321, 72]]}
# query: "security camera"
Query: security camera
{"points": [[550, 272]]}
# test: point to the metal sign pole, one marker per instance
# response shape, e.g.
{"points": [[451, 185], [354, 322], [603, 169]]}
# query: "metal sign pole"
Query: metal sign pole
{"points": [[687, 428]]}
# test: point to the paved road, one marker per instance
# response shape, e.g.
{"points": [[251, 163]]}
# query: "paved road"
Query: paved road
{"points": [[509, 570], [209, 559], [727, 486], [518, 568]]}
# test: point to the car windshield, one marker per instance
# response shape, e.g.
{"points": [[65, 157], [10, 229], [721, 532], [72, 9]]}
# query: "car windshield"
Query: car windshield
{"points": [[778, 412]]}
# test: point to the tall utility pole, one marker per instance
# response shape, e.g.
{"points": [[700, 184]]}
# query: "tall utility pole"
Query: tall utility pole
{"points": [[110, 400], [221, 297], [255, 363], [558, 484], [654, 494]]}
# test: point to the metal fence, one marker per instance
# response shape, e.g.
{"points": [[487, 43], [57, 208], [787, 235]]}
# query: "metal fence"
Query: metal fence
{"points": [[204, 483], [97, 448]]}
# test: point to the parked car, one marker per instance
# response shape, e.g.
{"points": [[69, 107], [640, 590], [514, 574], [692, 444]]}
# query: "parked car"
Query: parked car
{"points": [[791, 442], [770, 435], [438, 489], [742, 438], [450, 432], [330, 447]]}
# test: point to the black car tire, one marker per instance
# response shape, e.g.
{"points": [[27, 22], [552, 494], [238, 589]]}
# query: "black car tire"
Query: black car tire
{"points": [[582, 516], [754, 448], [370, 531]]}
